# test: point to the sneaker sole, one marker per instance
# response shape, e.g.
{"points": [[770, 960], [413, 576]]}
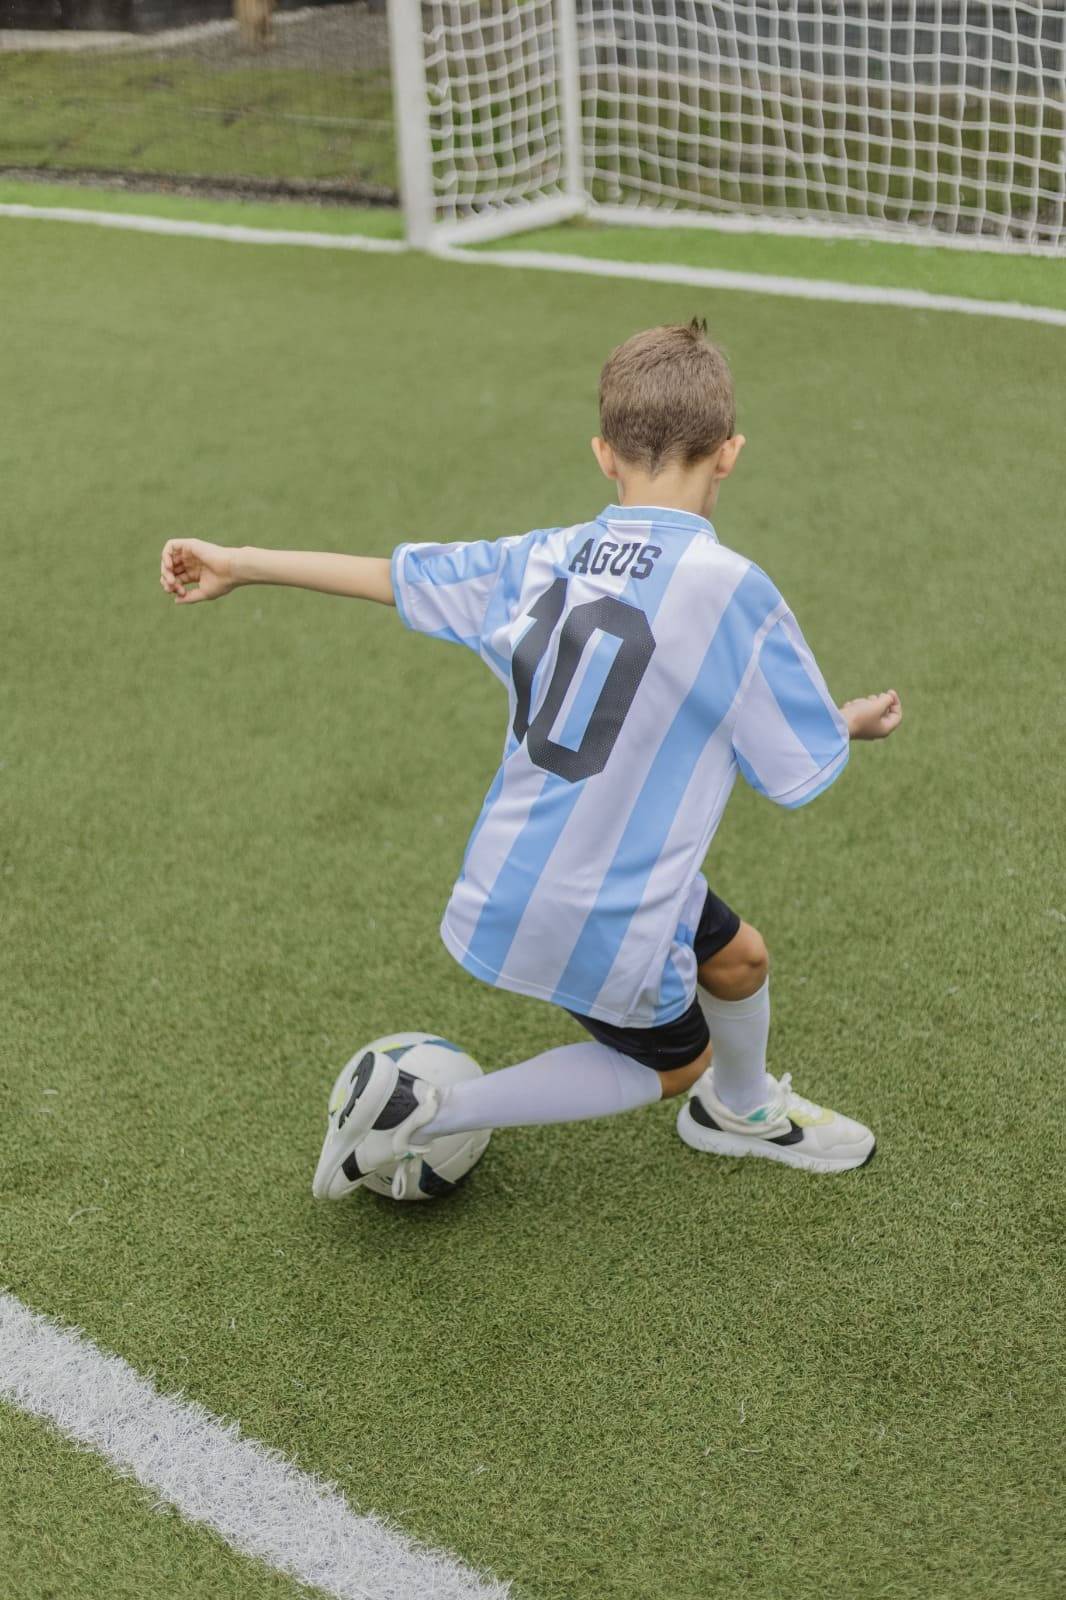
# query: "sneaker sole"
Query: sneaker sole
{"points": [[340, 1144], [716, 1143]]}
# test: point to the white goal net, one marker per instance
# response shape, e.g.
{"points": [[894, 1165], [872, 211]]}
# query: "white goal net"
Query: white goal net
{"points": [[911, 118]]}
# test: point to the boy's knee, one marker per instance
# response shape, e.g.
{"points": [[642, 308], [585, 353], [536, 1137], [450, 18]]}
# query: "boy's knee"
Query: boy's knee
{"points": [[678, 1079], [740, 968]]}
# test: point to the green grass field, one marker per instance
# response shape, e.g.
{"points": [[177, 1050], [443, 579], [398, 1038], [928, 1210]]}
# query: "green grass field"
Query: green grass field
{"points": [[178, 115], [606, 1368], [980, 275]]}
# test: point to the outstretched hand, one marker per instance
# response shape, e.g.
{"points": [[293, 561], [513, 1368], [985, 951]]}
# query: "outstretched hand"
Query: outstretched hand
{"points": [[874, 716], [192, 569]]}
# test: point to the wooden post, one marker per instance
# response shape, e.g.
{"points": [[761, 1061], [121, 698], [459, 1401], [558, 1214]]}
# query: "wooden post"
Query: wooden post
{"points": [[255, 19]]}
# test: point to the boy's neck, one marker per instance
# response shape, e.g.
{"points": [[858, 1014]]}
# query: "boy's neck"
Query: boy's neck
{"points": [[676, 488]]}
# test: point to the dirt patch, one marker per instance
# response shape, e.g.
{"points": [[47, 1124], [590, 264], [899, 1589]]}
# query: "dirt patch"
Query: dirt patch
{"points": [[319, 192]]}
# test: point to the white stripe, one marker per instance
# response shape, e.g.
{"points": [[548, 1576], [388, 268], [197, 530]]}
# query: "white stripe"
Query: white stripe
{"points": [[794, 796], [560, 902], [522, 781], [231, 233], [765, 738], [761, 283], [256, 1500], [679, 860], [545, 261]]}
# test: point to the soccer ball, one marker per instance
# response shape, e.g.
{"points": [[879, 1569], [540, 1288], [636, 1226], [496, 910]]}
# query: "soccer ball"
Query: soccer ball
{"points": [[448, 1159]]}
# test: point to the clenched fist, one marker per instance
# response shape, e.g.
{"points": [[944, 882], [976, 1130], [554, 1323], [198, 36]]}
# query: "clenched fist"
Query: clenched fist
{"points": [[875, 716], [192, 569]]}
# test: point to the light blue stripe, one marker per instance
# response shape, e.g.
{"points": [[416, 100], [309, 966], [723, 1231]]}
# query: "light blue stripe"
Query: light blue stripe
{"points": [[673, 995], [659, 517], [749, 774], [801, 701], [518, 877], [507, 590], [673, 992], [597, 668], [486, 806], [449, 635], [520, 872], [499, 664], [641, 844], [510, 745], [443, 564]]}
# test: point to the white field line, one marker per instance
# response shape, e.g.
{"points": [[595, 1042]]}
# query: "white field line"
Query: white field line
{"points": [[230, 233], [546, 261], [762, 283], [258, 1502]]}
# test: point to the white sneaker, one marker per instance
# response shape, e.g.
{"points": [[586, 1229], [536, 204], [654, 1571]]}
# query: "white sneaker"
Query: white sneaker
{"points": [[788, 1129], [374, 1112]]}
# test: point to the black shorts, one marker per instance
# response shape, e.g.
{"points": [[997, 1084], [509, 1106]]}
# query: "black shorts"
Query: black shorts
{"points": [[674, 1044]]}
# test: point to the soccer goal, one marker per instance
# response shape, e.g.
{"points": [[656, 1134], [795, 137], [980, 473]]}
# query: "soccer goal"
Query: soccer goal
{"points": [[925, 120]]}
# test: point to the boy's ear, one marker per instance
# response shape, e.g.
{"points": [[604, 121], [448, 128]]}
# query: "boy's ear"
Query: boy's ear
{"points": [[729, 454], [605, 457]]}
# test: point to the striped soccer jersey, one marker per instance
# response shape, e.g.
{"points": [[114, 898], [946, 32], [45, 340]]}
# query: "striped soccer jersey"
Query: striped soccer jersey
{"points": [[645, 665]]}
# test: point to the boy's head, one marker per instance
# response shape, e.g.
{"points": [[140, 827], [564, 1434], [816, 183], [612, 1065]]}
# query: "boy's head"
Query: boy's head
{"points": [[667, 411]]}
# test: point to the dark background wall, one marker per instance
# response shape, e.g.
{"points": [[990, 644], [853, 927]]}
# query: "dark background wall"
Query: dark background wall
{"points": [[131, 16]]}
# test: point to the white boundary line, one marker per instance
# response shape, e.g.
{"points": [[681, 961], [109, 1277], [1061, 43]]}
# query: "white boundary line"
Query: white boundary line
{"points": [[762, 283], [258, 1502], [545, 261], [230, 233]]}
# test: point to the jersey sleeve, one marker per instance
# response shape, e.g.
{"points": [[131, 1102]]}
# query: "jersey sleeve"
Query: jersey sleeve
{"points": [[444, 589], [462, 592], [790, 740]]}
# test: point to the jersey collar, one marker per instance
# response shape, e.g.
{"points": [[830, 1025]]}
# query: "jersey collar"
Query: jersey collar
{"points": [[668, 516]]}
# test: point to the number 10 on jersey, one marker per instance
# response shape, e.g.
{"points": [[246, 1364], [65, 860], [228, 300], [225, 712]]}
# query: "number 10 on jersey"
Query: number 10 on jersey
{"points": [[608, 615]]}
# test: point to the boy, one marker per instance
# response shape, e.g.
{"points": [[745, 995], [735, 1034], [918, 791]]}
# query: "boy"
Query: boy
{"points": [[645, 665]]}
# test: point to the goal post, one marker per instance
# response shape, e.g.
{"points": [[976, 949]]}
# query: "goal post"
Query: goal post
{"points": [[934, 121], [487, 105]]}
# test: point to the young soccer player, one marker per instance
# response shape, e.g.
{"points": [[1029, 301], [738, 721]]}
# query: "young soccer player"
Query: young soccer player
{"points": [[646, 664]]}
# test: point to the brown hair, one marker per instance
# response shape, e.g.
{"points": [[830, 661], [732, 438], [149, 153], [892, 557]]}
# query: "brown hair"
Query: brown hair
{"points": [[667, 395]]}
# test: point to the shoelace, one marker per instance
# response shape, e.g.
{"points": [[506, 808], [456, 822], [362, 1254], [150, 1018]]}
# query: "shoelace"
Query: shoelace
{"points": [[402, 1177], [789, 1098]]}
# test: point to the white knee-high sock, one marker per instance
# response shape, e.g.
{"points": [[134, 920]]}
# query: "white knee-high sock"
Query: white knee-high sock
{"points": [[564, 1085], [739, 1030]]}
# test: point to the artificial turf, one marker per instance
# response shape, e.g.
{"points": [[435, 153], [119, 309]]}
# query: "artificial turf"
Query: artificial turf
{"points": [[77, 1531], [1029, 280], [182, 115], [607, 1368], [879, 262]]}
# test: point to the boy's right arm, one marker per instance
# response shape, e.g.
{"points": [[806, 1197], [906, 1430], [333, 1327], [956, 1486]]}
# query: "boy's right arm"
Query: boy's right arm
{"points": [[874, 716], [790, 738], [194, 569]]}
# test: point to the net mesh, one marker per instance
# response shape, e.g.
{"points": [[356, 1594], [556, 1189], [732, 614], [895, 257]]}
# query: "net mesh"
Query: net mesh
{"points": [[942, 118], [494, 90], [904, 115]]}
